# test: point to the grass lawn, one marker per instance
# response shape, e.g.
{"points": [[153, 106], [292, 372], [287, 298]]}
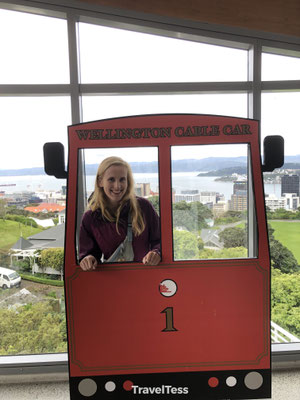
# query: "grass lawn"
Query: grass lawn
{"points": [[288, 233], [10, 232]]}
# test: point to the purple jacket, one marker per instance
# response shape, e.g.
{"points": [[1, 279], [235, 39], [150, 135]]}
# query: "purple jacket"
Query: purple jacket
{"points": [[98, 235]]}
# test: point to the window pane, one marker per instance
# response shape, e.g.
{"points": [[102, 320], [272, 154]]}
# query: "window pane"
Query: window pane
{"points": [[31, 203], [276, 67], [31, 53], [210, 201], [40, 120], [144, 165], [143, 161], [110, 55], [100, 107], [280, 115]]}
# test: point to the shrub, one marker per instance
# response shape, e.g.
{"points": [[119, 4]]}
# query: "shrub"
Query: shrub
{"points": [[44, 281]]}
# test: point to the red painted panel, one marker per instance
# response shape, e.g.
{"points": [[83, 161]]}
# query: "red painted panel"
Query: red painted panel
{"points": [[118, 320]]}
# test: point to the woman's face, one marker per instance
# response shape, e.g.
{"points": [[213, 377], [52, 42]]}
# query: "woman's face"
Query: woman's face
{"points": [[114, 183]]}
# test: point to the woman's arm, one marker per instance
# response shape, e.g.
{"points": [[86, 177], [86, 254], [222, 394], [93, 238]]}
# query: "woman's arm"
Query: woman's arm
{"points": [[153, 257], [89, 251], [88, 263]]}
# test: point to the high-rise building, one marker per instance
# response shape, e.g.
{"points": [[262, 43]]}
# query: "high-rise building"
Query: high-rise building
{"points": [[239, 198], [142, 189], [290, 184], [240, 187], [238, 202]]}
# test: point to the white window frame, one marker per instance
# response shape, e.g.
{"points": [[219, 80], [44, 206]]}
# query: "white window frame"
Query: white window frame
{"points": [[55, 365]]}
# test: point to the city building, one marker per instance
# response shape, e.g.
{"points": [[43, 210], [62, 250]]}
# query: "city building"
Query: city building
{"points": [[51, 196], [289, 201], [239, 198], [47, 239], [220, 208], [290, 184], [45, 207], [189, 198], [62, 217], [273, 202], [238, 202], [142, 189], [190, 191], [207, 198], [240, 186], [20, 199], [292, 201], [211, 239]]}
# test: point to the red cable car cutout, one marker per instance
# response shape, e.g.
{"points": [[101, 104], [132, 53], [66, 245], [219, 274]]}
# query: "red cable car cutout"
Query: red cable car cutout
{"points": [[197, 329]]}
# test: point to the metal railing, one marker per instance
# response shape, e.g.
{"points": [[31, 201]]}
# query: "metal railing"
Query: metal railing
{"points": [[280, 335]]}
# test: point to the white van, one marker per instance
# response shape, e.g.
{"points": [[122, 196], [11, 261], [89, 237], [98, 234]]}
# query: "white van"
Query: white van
{"points": [[9, 278]]}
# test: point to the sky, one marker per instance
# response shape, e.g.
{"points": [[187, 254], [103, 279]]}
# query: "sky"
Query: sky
{"points": [[35, 50], [93, 156]]}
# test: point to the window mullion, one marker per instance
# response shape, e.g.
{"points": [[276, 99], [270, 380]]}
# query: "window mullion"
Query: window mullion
{"points": [[76, 106], [254, 76], [72, 21]]}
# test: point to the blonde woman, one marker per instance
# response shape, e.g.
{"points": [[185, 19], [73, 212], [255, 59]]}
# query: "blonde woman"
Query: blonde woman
{"points": [[113, 208]]}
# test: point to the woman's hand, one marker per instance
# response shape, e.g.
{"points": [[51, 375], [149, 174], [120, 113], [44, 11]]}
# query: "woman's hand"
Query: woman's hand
{"points": [[88, 263], [151, 258]]}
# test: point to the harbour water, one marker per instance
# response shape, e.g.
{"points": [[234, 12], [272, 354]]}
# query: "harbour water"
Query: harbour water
{"points": [[180, 181]]}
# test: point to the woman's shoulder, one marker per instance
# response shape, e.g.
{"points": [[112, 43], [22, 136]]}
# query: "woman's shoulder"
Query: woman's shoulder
{"points": [[145, 204], [90, 214], [142, 201]]}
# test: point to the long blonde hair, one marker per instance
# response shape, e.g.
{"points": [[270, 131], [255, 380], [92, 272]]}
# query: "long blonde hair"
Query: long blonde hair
{"points": [[98, 199]]}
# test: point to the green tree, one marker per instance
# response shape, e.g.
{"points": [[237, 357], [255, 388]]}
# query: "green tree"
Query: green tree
{"points": [[285, 301], [282, 213], [200, 243], [154, 200], [201, 213], [4, 258], [230, 216], [22, 220], [191, 216], [281, 257], [52, 258], [235, 252], [185, 245], [17, 211], [2, 208], [24, 265], [32, 329], [233, 237], [182, 205], [184, 219]]}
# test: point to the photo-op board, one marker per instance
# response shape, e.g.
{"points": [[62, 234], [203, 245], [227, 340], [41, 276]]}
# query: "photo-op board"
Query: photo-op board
{"points": [[197, 325]]}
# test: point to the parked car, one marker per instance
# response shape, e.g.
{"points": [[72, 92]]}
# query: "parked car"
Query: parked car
{"points": [[9, 278]]}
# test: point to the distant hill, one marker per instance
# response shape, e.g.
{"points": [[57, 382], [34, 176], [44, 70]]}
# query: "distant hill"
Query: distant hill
{"points": [[207, 164], [225, 172], [22, 172], [291, 166], [188, 165], [191, 165]]}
